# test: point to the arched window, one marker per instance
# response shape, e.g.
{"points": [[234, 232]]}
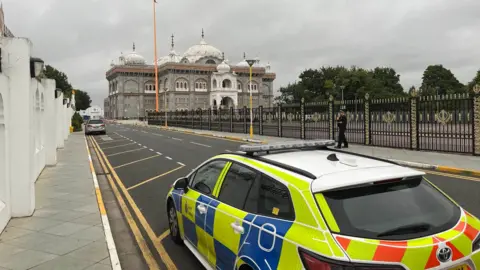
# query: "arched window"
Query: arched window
{"points": [[150, 87], [227, 83], [181, 85], [254, 87], [239, 86], [201, 85], [210, 62], [214, 83]]}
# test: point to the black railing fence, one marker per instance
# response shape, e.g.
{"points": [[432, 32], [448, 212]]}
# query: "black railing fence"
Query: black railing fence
{"points": [[449, 123]]}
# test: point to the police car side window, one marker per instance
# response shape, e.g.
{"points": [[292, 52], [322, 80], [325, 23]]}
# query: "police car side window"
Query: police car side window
{"points": [[206, 176], [268, 197], [236, 185]]}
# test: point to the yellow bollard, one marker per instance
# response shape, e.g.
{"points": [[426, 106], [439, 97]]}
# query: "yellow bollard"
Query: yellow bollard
{"points": [[71, 129]]}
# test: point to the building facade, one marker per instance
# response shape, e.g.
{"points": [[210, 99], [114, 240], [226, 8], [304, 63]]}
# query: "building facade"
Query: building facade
{"points": [[199, 79]]}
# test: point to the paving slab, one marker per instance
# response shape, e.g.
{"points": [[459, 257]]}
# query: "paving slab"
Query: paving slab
{"points": [[65, 231]]}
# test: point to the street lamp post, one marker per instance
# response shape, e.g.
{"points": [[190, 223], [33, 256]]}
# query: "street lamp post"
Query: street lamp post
{"points": [[155, 52], [343, 102], [250, 63], [165, 101]]}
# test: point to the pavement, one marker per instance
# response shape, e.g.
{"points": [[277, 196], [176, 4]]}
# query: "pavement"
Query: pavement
{"points": [[142, 162], [66, 230]]}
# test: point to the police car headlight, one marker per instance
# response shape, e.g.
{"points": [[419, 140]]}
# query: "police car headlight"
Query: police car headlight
{"points": [[313, 261], [476, 244]]}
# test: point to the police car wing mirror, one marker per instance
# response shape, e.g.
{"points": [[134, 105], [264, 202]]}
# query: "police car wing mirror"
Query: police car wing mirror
{"points": [[181, 184]]}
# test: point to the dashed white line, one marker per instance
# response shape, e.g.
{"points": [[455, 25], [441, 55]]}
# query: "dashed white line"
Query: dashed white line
{"points": [[180, 163], [159, 153], [201, 144], [151, 149], [173, 138], [139, 144], [144, 146], [228, 151], [168, 158]]}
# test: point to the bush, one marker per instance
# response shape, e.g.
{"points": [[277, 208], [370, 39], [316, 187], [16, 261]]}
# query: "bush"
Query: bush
{"points": [[77, 122]]}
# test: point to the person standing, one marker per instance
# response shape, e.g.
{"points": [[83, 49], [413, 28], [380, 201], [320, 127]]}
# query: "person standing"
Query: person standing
{"points": [[342, 127]]}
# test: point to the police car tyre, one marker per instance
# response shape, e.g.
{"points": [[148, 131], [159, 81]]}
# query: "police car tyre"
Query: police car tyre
{"points": [[173, 223]]}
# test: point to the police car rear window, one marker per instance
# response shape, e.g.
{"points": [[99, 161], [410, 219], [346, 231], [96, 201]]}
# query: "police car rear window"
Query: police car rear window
{"points": [[398, 210]]}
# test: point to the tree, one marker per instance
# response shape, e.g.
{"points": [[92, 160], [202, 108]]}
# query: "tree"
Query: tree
{"points": [[473, 82], [437, 80], [82, 100], [319, 84], [61, 80]]}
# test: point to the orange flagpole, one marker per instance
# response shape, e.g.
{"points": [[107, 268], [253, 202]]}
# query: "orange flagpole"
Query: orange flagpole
{"points": [[155, 52]]}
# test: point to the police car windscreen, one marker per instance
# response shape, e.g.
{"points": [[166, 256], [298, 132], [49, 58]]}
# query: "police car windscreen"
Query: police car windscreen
{"points": [[397, 210]]}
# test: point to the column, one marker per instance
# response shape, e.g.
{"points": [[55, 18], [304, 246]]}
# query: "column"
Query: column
{"points": [[50, 123], [21, 136]]}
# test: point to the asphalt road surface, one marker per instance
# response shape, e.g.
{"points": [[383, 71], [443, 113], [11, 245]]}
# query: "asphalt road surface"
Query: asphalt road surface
{"points": [[148, 160]]}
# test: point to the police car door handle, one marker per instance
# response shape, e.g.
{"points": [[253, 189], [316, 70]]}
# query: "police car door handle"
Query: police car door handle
{"points": [[202, 209], [237, 228]]}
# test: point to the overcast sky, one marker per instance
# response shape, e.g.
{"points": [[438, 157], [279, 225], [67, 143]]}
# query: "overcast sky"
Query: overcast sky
{"points": [[81, 37]]}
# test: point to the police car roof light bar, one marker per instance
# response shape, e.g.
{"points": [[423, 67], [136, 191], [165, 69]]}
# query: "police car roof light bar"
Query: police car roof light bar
{"points": [[288, 145]]}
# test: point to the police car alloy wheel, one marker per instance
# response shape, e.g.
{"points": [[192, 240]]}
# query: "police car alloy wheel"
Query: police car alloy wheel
{"points": [[173, 223]]}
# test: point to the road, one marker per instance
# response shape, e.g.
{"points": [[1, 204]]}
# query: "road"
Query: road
{"points": [[146, 161]]}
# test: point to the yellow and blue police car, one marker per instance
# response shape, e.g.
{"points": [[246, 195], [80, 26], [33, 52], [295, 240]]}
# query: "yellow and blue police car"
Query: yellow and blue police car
{"points": [[302, 205]]}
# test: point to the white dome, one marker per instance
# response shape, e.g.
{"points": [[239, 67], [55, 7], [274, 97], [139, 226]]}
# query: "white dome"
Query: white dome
{"points": [[172, 57], [196, 52], [244, 62], [223, 67], [134, 58]]}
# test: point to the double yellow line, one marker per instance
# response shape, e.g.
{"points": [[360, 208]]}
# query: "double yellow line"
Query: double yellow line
{"points": [[115, 181]]}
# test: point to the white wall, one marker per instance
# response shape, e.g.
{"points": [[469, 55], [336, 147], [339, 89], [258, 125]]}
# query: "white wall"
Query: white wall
{"points": [[28, 112]]}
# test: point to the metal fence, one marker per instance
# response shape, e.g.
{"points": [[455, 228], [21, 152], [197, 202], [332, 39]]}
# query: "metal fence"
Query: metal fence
{"points": [[449, 123]]}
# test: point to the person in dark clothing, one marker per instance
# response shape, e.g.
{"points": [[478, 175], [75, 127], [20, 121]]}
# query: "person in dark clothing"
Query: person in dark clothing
{"points": [[342, 127]]}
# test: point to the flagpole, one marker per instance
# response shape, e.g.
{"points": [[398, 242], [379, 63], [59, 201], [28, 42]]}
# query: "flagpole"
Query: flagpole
{"points": [[155, 52]]}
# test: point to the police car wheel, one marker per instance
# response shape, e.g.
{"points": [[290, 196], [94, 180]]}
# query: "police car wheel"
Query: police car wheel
{"points": [[173, 224]]}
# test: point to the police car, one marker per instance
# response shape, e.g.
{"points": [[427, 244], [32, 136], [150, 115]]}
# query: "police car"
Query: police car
{"points": [[302, 205]]}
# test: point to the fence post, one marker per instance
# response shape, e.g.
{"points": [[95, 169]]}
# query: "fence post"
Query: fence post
{"points": [[279, 115], [209, 118], [260, 120], [414, 121], [231, 119], [476, 120], [302, 119], [245, 119], [331, 117], [366, 119]]}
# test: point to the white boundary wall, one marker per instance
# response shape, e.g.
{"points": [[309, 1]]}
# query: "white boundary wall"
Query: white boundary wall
{"points": [[33, 124]]}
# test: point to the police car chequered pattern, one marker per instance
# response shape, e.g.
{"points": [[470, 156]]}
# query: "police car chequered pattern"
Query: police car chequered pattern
{"points": [[271, 243]]}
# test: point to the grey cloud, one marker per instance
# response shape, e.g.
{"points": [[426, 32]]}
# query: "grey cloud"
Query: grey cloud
{"points": [[82, 37]]}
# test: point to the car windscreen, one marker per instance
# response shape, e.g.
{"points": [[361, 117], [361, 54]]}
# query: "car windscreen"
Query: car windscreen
{"points": [[398, 210], [95, 122]]}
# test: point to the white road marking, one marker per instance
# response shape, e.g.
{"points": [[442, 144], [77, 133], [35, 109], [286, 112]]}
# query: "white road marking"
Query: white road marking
{"points": [[139, 145], [200, 144], [168, 158], [151, 149], [180, 163], [173, 138], [144, 146], [157, 134], [159, 153], [228, 151]]}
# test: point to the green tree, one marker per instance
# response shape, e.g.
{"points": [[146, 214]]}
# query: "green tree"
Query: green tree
{"points": [[474, 81], [77, 122], [437, 80], [61, 80], [82, 100], [389, 79]]}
